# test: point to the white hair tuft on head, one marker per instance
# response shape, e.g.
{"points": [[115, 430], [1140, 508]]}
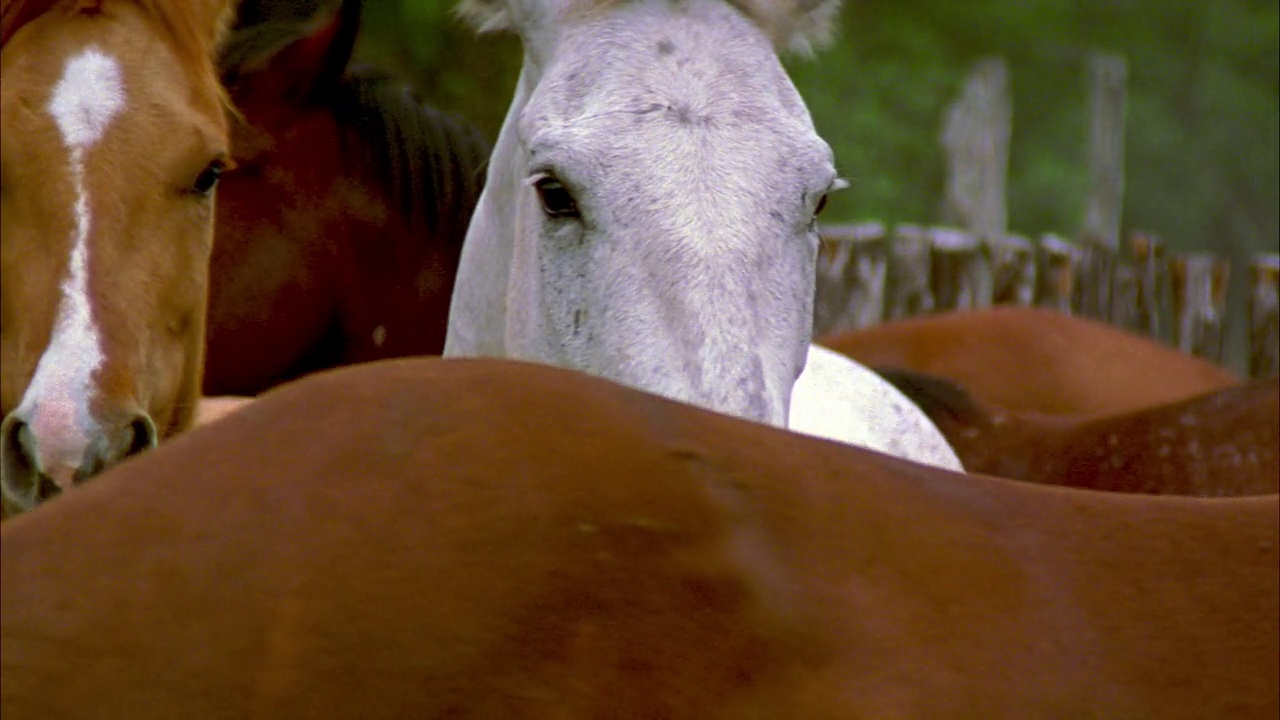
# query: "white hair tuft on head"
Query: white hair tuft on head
{"points": [[799, 26]]}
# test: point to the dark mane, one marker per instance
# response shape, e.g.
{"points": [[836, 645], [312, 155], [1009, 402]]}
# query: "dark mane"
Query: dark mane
{"points": [[938, 397], [432, 163]]}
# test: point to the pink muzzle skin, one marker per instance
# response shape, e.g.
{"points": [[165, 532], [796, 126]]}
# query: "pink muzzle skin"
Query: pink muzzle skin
{"points": [[59, 441]]}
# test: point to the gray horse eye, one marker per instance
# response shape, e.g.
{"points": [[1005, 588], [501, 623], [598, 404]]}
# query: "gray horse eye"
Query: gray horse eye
{"points": [[822, 205], [557, 201]]}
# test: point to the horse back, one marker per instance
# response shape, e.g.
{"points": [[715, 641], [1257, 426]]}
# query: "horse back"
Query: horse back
{"points": [[491, 539], [1033, 359]]}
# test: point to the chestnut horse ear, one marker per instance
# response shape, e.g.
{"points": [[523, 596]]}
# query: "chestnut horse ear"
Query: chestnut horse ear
{"points": [[297, 59]]}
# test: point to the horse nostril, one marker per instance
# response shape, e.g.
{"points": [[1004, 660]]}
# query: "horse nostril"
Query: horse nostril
{"points": [[125, 441], [24, 482], [18, 474], [143, 435], [46, 488]]}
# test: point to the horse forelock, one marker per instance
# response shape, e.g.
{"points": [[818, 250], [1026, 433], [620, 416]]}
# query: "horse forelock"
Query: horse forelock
{"points": [[796, 25], [194, 40], [192, 31]]}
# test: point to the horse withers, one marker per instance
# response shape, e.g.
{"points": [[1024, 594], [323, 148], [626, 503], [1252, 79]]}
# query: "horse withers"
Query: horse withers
{"points": [[114, 138]]}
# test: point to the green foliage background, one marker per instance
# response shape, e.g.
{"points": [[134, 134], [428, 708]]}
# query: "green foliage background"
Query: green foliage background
{"points": [[1202, 150]]}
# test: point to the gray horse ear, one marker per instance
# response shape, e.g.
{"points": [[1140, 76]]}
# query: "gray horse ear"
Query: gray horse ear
{"points": [[486, 15], [799, 26]]}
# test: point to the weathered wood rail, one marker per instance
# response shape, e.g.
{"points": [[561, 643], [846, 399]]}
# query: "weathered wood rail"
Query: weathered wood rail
{"points": [[869, 273]]}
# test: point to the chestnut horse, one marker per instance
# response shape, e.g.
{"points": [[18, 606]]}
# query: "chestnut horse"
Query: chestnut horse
{"points": [[428, 538], [338, 234], [1225, 442], [1034, 359], [114, 137]]}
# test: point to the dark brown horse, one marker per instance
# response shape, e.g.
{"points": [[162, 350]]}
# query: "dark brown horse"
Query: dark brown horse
{"points": [[339, 232], [1226, 442], [1033, 359], [452, 538]]}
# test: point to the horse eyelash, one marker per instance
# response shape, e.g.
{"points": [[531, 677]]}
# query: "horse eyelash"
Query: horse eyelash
{"points": [[538, 176]]}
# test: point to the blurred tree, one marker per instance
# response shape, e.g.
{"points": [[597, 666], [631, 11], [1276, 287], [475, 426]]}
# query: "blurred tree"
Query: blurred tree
{"points": [[1202, 148]]}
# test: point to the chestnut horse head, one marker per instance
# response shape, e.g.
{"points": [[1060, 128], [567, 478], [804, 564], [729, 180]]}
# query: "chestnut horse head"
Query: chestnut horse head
{"points": [[114, 137]]}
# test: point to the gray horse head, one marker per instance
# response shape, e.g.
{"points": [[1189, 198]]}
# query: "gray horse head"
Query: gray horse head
{"points": [[649, 215]]}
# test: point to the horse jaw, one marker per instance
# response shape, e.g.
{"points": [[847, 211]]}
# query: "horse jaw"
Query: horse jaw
{"points": [[478, 310]]}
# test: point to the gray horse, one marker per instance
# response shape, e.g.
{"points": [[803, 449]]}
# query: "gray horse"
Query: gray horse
{"points": [[650, 216]]}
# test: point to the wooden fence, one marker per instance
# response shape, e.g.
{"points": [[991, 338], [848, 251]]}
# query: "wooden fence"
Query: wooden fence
{"points": [[868, 274]]}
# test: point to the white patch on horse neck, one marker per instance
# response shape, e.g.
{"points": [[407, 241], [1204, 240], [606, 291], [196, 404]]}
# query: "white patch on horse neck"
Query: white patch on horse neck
{"points": [[88, 96], [839, 399]]}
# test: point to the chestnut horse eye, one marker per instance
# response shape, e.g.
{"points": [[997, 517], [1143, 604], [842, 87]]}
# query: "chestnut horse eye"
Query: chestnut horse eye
{"points": [[557, 202], [207, 180]]}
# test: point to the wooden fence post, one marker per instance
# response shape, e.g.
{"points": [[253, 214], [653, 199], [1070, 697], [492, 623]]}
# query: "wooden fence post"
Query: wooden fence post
{"points": [[1138, 286], [1093, 280], [1013, 270], [830, 289], [959, 275], [1147, 252], [1100, 237], [975, 136], [1125, 295], [907, 288], [1057, 270], [1108, 75], [850, 284], [1264, 316], [1199, 303]]}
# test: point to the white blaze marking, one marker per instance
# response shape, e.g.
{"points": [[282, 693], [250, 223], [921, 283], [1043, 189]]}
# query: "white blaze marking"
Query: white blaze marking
{"points": [[56, 404]]}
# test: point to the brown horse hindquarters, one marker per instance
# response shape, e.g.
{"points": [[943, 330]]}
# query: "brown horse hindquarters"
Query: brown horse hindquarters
{"points": [[1222, 443], [490, 539]]}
